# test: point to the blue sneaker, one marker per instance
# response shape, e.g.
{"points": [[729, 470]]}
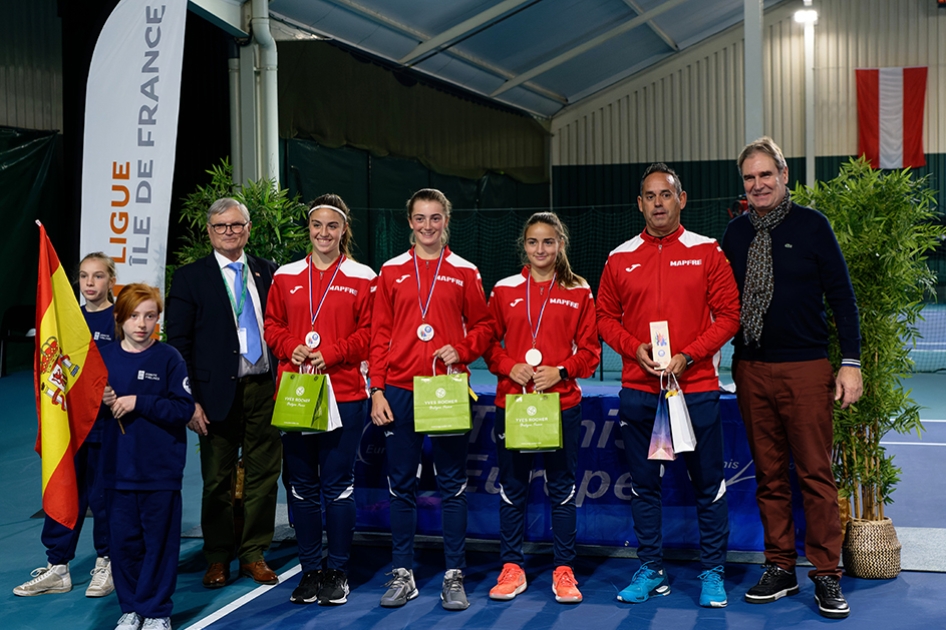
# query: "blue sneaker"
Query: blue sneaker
{"points": [[646, 582], [713, 594]]}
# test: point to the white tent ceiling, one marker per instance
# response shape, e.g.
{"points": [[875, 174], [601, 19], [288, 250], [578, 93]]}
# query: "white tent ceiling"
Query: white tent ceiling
{"points": [[535, 55]]}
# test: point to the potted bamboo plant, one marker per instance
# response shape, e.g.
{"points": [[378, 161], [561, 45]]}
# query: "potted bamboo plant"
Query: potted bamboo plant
{"points": [[278, 233], [885, 223]]}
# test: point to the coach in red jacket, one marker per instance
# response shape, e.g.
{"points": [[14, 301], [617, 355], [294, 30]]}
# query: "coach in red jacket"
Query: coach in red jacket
{"points": [[669, 274]]}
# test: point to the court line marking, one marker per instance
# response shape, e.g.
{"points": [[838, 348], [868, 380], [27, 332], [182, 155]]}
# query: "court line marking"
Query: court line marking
{"points": [[883, 443], [242, 601]]}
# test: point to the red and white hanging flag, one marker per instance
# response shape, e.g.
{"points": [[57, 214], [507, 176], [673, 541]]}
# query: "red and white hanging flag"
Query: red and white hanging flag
{"points": [[890, 105]]}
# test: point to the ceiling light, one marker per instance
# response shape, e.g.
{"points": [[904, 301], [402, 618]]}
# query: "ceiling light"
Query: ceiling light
{"points": [[806, 16]]}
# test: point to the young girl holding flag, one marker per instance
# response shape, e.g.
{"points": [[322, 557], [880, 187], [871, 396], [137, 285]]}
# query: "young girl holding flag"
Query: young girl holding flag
{"points": [[96, 281]]}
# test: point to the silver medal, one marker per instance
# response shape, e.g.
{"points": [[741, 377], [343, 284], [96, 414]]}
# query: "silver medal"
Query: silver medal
{"points": [[425, 332], [534, 357], [313, 340]]}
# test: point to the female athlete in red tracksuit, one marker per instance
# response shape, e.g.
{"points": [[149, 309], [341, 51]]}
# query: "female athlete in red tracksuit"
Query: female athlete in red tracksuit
{"points": [[546, 316], [319, 314], [429, 306]]}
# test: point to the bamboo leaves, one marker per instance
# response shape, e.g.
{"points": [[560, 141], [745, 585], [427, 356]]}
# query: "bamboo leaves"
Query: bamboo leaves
{"points": [[885, 223], [277, 232]]}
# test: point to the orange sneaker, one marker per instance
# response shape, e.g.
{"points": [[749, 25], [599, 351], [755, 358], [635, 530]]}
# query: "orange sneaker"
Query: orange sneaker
{"points": [[511, 582], [565, 587]]}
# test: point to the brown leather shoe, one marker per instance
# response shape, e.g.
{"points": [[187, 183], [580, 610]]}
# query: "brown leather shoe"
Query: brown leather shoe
{"points": [[260, 572], [217, 575]]}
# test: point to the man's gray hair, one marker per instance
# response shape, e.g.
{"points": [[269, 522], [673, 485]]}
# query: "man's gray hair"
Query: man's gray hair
{"points": [[225, 203], [764, 145]]}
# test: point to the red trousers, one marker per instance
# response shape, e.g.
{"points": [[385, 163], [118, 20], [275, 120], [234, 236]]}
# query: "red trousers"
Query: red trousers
{"points": [[787, 409]]}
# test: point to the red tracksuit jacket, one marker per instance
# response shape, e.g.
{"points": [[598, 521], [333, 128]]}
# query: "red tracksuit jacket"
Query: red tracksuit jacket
{"points": [[683, 278], [457, 313], [344, 323], [567, 337]]}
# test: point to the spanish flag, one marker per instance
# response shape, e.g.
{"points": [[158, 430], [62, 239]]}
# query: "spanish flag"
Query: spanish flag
{"points": [[69, 377]]}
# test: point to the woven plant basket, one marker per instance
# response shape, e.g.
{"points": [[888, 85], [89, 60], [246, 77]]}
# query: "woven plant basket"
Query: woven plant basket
{"points": [[871, 549]]}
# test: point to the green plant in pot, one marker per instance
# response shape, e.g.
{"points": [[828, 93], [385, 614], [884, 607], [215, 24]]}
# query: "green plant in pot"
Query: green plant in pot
{"points": [[885, 223], [278, 231]]}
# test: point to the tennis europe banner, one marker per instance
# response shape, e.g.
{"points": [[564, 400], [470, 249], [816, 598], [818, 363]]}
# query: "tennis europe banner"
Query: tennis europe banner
{"points": [[131, 109], [69, 379], [890, 103]]}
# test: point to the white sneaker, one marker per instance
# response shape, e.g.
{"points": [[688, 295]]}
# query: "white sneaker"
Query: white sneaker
{"points": [[157, 623], [101, 584], [129, 621], [53, 578]]}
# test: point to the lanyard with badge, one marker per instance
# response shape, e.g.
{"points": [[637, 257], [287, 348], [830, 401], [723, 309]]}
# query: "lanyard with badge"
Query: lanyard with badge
{"points": [[313, 339], [534, 355], [238, 306]]}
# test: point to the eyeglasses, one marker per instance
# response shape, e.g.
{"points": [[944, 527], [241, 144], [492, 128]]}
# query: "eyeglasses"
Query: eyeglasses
{"points": [[221, 228]]}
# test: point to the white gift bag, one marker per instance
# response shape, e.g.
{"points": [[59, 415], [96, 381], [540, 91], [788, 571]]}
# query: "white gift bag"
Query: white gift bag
{"points": [[681, 429], [334, 416]]}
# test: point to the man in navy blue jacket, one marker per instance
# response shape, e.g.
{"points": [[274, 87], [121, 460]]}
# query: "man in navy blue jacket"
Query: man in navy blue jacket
{"points": [[215, 319], [787, 261]]}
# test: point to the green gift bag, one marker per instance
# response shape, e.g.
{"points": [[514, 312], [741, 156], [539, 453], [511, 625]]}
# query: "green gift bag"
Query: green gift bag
{"points": [[305, 402], [533, 422], [442, 404]]}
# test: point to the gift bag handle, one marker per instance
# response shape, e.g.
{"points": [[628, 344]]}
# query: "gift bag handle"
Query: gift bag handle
{"points": [[307, 368], [672, 379], [433, 366]]}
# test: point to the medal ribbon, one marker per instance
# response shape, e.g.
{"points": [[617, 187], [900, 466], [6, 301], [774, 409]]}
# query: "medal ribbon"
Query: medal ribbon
{"points": [[325, 292], [424, 307], [535, 329]]}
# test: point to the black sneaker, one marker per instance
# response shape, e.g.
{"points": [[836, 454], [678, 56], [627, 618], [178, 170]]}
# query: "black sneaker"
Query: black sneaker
{"points": [[334, 589], [831, 602], [774, 584], [308, 590]]}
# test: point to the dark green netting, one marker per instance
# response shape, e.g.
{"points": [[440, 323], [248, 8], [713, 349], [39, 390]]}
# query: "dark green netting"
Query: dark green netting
{"points": [[30, 183]]}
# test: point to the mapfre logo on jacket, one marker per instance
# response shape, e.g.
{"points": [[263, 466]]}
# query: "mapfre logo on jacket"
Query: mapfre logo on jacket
{"points": [[564, 302]]}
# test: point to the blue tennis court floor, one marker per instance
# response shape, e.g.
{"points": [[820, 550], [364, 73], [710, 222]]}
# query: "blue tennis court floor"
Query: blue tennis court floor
{"points": [[914, 600]]}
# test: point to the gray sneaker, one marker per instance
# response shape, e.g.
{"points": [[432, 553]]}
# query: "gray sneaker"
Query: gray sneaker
{"points": [[401, 589], [101, 584], [129, 621], [53, 578], [453, 597]]}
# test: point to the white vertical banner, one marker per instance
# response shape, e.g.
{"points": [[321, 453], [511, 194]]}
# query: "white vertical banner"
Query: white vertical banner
{"points": [[131, 109]]}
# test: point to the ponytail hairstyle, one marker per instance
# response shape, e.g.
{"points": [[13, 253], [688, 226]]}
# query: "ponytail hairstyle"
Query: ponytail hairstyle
{"points": [[431, 194], [128, 300], [563, 270], [109, 267], [336, 203]]}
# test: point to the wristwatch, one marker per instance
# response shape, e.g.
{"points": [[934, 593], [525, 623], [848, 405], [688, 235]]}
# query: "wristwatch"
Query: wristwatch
{"points": [[375, 390], [688, 358], [563, 373]]}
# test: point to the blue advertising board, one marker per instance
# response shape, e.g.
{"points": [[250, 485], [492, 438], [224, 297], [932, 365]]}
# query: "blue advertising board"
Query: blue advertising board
{"points": [[603, 491]]}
